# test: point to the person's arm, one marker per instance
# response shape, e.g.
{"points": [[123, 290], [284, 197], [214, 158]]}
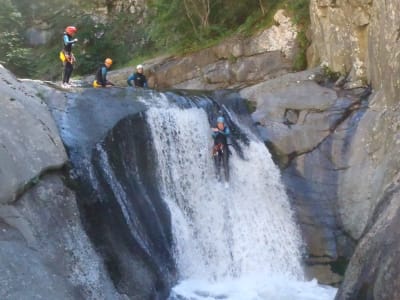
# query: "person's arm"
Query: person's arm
{"points": [[226, 131], [131, 78], [215, 132], [67, 41]]}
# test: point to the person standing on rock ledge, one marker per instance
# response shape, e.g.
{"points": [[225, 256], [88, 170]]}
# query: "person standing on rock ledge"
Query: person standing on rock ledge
{"points": [[66, 56], [138, 78], [101, 75]]}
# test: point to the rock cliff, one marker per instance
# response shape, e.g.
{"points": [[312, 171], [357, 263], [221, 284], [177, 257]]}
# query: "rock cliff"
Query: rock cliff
{"points": [[338, 146], [39, 217], [234, 63], [361, 40]]}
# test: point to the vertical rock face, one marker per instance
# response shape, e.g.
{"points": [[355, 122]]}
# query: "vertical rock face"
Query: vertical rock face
{"points": [[45, 253], [29, 140], [44, 250], [362, 38], [309, 129], [373, 272], [340, 36], [111, 152]]}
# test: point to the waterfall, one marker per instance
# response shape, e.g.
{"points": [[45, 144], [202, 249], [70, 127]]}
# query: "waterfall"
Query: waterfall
{"points": [[150, 202], [223, 233]]}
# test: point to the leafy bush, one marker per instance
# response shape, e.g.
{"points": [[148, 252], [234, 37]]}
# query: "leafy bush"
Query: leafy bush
{"points": [[15, 56]]}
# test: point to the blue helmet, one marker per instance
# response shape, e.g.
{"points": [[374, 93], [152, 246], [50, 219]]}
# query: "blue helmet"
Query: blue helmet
{"points": [[220, 119]]}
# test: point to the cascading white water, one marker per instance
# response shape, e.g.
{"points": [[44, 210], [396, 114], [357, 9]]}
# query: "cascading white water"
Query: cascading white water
{"points": [[223, 234]]}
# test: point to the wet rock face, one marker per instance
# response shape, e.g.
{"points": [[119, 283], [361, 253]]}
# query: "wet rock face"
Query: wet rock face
{"points": [[110, 149], [45, 253], [366, 46], [29, 140], [125, 215], [373, 272], [310, 130], [361, 38]]}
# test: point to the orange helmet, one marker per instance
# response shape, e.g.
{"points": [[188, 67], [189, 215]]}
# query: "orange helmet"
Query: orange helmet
{"points": [[71, 30], [108, 61]]}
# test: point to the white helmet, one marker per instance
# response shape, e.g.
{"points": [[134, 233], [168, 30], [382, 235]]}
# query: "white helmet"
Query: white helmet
{"points": [[139, 67]]}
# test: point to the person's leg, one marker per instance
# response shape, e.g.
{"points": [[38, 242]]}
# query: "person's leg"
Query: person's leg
{"points": [[217, 163], [68, 72], [225, 162], [65, 73]]}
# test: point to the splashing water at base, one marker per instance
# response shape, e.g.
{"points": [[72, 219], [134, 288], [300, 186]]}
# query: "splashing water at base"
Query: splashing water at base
{"points": [[253, 288], [225, 237]]}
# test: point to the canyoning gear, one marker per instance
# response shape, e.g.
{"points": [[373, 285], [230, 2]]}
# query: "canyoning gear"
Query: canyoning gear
{"points": [[96, 84], [108, 61], [220, 150], [220, 119], [139, 67], [66, 55], [68, 41], [71, 30], [221, 133], [221, 160], [138, 79], [68, 68], [62, 56], [101, 75]]}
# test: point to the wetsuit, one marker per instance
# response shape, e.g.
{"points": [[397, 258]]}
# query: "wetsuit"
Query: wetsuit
{"points": [[221, 151], [69, 60], [139, 80], [101, 76]]}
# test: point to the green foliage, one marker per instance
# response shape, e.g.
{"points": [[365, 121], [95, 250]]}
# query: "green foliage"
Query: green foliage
{"points": [[170, 26], [300, 10], [300, 61], [120, 39], [251, 106], [300, 14], [15, 56], [175, 25], [330, 74]]}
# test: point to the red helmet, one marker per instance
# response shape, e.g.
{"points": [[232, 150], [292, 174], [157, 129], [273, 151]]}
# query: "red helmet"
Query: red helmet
{"points": [[71, 30]]}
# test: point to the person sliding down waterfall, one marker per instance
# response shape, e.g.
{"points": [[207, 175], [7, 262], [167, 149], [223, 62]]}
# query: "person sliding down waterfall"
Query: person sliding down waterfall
{"points": [[220, 150]]}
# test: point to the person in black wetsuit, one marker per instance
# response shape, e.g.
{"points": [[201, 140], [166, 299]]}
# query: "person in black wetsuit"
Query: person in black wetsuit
{"points": [[220, 149], [138, 78], [66, 56], [101, 75]]}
